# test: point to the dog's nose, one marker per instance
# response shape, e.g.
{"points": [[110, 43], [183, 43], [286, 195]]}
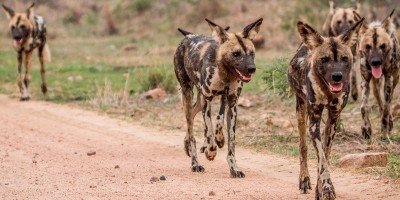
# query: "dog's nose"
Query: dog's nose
{"points": [[376, 62], [251, 70], [337, 76], [17, 37]]}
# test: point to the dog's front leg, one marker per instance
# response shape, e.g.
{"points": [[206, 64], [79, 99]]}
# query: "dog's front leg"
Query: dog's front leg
{"points": [[27, 78], [304, 178], [387, 121], [20, 81], [366, 127], [330, 131], [231, 124], [324, 189], [209, 148], [219, 135], [354, 88]]}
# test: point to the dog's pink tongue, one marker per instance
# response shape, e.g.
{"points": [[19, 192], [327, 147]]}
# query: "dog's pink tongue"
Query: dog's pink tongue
{"points": [[17, 42], [336, 87], [377, 72]]}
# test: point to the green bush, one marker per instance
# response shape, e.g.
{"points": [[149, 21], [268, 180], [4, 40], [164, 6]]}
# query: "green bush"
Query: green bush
{"points": [[275, 77], [156, 76]]}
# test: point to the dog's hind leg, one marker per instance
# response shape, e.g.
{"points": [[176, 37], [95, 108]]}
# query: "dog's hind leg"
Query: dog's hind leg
{"points": [[42, 69], [219, 135], [197, 106], [190, 141], [209, 148], [304, 182]]}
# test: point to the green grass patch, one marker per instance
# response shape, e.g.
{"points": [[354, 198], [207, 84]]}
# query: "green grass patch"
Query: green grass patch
{"points": [[393, 169]]}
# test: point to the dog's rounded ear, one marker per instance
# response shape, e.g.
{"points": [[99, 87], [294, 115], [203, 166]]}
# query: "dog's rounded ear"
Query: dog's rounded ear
{"points": [[251, 30], [350, 37], [310, 36], [364, 26], [357, 5], [388, 24], [218, 32], [30, 11], [9, 12]]}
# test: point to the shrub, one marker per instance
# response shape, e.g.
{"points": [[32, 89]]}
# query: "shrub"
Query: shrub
{"points": [[157, 76], [275, 77]]}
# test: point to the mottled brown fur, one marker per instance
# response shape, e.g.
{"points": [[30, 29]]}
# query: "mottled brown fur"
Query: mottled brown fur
{"points": [[379, 52], [28, 33], [216, 65], [337, 22], [319, 74]]}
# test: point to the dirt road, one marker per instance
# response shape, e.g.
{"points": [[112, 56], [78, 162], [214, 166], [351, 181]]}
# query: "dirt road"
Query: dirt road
{"points": [[43, 155]]}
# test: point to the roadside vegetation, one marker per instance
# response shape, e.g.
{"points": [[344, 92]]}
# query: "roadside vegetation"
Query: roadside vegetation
{"points": [[109, 71]]}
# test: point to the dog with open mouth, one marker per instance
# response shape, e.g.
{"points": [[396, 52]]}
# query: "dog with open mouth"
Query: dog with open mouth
{"points": [[319, 75], [216, 66], [380, 60], [339, 20], [28, 32]]}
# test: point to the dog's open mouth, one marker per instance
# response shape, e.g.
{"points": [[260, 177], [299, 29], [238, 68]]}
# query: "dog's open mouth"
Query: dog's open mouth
{"points": [[17, 42], [377, 71], [244, 77], [336, 87]]}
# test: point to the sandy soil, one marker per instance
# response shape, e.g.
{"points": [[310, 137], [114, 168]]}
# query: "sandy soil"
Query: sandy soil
{"points": [[43, 155]]}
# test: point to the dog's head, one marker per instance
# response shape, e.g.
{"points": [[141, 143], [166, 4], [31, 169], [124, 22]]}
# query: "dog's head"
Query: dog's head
{"points": [[342, 18], [331, 58], [20, 24], [376, 43], [236, 51]]}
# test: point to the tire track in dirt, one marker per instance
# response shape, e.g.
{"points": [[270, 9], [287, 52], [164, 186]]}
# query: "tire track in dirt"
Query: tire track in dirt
{"points": [[43, 150]]}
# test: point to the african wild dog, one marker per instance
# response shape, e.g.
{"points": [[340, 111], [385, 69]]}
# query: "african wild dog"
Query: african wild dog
{"points": [[319, 74], [216, 65], [379, 61], [337, 22], [28, 33]]}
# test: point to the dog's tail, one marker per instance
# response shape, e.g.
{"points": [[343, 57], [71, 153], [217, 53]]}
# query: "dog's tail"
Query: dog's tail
{"points": [[46, 53]]}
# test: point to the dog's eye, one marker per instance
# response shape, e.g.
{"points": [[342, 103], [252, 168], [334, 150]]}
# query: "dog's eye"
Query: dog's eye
{"points": [[345, 59], [22, 26], [383, 46], [236, 53], [325, 59], [13, 27], [350, 21], [368, 47], [339, 22]]}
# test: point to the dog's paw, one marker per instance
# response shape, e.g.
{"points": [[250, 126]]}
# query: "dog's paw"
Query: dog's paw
{"points": [[328, 191], [44, 88], [305, 184], [197, 168], [211, 153], [366, 132], [219, 138], [25, 98], [237, 174]]}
